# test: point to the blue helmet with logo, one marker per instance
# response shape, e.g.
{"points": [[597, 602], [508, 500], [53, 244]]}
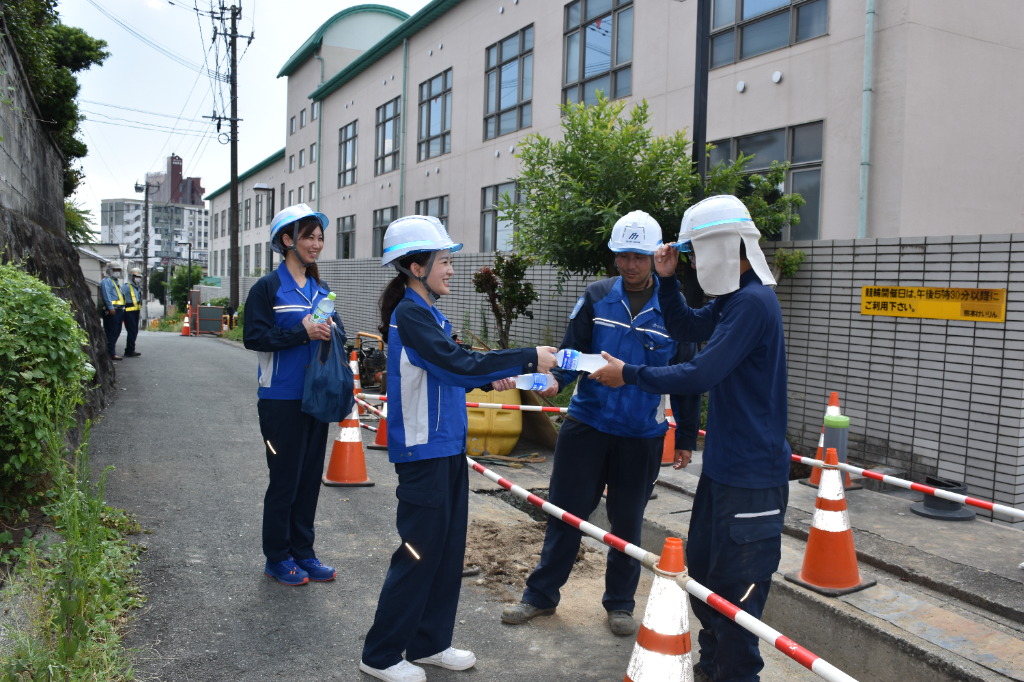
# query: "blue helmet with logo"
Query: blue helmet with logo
{"points": [[636, 232], [292, 216]]}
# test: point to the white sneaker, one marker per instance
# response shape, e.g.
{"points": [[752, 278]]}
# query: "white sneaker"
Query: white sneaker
{"points": [[451, 658], [403, 671]]}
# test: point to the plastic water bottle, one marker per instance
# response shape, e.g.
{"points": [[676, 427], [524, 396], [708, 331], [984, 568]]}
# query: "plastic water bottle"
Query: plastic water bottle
{"points": [[534, 382], [324, 309], [574, 360]]}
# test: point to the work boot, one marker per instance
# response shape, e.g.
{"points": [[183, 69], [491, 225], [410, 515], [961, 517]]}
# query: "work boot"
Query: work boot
{"points": [[403, 671], [621, 623], [699, 675], [522, 612], [286, 572], [451, 658], [316, 569]]}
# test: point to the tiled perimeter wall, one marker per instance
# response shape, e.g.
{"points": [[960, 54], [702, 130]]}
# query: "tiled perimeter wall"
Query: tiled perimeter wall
{"points": [[925, 396]]}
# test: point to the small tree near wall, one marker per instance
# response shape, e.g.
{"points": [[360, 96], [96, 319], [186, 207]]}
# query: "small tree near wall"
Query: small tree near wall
{"points": [[507, 293]]}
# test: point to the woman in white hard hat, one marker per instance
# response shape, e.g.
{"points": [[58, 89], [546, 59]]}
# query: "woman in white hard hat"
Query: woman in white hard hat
{"points": [[279, 327], [428, 376]]}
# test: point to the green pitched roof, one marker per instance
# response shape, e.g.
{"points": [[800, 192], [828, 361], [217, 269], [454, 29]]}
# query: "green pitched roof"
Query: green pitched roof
{"points": [[311, 45], [409, 27], [276, 156]]}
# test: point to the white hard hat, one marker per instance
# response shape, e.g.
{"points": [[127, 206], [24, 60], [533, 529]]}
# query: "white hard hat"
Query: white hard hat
{"points": [[290, 216], [136, 271], [415, 234], [723, 209], [636, 232]]}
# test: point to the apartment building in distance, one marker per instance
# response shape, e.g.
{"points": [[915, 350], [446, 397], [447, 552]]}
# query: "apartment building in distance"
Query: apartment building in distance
{"points": [[171, 227]]}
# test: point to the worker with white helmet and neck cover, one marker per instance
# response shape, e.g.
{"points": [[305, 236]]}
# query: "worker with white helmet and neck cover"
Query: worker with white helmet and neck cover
{"points": [[735, 538], [428, 376], [610, 438]]}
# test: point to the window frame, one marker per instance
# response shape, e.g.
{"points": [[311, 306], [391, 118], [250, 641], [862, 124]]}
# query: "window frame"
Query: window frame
{"points": [[343, 143], [490, 209], [380, 123], [302, 158], [737, 26], [380, 226], [615, 68], [445, 135], [312, 191], [443, 211], [312, 153], [259, 209], [291, 163], [247, 213], [302, 119], [291, 198], [291, 126], [245, 261], [301, 190], [521, 104], [345, 237], [315, 111]]}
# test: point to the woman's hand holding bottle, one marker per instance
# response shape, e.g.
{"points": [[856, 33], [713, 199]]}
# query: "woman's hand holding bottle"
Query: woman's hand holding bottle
{"points": [[316, 332]]}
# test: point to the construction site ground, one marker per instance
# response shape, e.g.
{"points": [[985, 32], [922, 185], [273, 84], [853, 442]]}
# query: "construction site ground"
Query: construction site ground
{"points": [[184, 437]]}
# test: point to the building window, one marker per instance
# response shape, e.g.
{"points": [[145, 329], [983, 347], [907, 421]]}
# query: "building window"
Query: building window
{"points": [[224, 229], [270, 257], [291, 197], [256, 253], [316, 111], [222, 252], [435, 116], [382, 217], [312, 191], [508, 85], [291, 126], [215, 232], [302, 158], [495, 233], [291, 163], [437, 207], [248, 212], [802, 147], [245, 260], [301, 198], [347, 154], [312, 153], [598, 50], [740, 30], [259, 209], [302, 118], [346, 237], [386, 143]]}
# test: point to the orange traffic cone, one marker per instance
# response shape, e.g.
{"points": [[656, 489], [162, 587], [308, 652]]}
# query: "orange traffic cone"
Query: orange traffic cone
{"points": [[381, 441], [832, 409], [662, 649], [185, 331], [348, 463], [668, 452], [353, 364], [830, 562]]}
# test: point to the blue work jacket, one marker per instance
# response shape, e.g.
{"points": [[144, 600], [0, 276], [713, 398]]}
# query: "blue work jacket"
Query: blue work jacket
{"points": [[743, 365], [272, 326], [110, 290], [601, 321], [428, 376]]}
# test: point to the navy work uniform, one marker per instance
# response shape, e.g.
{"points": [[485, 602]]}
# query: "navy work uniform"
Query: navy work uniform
{"points": [[113, 300], [611, 437], [735, 537], [296, 443], [132, 297], [428, 376]]}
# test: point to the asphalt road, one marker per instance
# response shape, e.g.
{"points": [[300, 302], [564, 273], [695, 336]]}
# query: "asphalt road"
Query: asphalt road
{"points": [[184, 437]]}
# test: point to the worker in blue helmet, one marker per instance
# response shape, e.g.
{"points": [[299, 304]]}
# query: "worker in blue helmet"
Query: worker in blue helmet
{"points": [[278, 325], [428, 376]]}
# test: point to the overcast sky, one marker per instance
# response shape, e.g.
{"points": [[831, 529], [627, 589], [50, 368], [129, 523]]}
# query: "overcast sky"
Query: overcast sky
{"points": [[137, 76]]}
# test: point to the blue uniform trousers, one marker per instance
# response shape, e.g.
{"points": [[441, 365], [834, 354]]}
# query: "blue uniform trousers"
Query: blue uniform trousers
{"points": [[734, 546], [131, 327], [112, 326], [585, 461], [289, 507], [417, 605]]}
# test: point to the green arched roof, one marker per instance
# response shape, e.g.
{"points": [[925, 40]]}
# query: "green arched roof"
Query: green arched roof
{"points": [[311, 45]]}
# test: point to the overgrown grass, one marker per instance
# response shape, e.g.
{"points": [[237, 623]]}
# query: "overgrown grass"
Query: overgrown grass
{"points": [[69, 594], [172, 323]]}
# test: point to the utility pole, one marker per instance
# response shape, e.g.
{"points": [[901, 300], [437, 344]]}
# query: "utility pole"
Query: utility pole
{"points": [[700, 91], [233, 210], [145, 187]]}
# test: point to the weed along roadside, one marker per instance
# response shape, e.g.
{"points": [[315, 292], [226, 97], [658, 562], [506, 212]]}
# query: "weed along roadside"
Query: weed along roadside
{"points": [[70, 585]]}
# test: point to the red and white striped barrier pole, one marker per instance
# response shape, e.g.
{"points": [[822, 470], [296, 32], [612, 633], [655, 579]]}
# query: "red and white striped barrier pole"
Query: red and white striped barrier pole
{"points": [[371, 408], [368, 427], [812, 662], [927, 489], [494, 406]]}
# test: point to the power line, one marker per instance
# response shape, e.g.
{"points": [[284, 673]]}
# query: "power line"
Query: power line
{"points": [[138, 111], [155, 130]]}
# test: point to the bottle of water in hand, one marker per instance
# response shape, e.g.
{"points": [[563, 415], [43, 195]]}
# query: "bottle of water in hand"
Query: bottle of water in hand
{"points": [[324, 309], [574, 360], [534, 382]]}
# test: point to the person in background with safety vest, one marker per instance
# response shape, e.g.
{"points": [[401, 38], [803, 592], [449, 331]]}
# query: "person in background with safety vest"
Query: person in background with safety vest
{"points": [[428, 376], [133, 304], [279, 326], [609, 438], [113, 307], [735, 538]]}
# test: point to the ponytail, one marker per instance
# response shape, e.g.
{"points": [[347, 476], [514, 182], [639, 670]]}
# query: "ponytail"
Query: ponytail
{"points": [[394, 292]]}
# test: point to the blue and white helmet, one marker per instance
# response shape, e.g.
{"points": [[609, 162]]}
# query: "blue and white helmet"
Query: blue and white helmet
{"points": [[636, 232], [290, 216], [415, 234]]}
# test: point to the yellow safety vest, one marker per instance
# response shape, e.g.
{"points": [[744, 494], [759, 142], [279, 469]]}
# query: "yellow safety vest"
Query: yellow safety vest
{"points": [[120, 294], [135, 302]]}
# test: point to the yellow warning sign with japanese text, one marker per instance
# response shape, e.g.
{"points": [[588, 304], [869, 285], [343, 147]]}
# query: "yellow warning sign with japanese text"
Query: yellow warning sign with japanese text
{"points": [[935, 303]]}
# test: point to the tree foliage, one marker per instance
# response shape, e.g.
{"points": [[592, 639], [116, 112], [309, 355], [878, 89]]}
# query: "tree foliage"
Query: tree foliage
{"points": [[507, 293], [51, 54], [78, 222], [572, 191], [158, 285], [179, 284]]}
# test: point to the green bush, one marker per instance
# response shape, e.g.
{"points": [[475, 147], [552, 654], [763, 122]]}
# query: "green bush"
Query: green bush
{"points": [[40, 349], [179, 284], [221, 302]]}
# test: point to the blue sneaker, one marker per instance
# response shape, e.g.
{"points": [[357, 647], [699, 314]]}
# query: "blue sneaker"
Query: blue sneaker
{"points": [[316, 570], [286, 572]]}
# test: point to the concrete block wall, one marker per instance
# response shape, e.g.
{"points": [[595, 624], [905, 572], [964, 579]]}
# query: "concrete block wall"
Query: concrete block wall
{"points": [[930, 397]]}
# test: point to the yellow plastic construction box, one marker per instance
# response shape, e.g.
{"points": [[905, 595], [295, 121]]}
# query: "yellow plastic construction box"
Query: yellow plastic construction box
{"points": [[496, 431]]}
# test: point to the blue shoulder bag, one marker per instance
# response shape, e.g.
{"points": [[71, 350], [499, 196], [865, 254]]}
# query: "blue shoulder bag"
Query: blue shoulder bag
{"points": [[327, 395]]}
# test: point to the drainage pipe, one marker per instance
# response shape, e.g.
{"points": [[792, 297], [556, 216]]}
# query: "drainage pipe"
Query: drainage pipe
{"points": [[319, 131], [865, 124], [401, 143]]}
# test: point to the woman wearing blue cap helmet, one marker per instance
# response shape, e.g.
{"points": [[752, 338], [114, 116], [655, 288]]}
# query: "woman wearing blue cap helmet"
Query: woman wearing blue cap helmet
{"points": [[428, 376], [279, 327]]}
